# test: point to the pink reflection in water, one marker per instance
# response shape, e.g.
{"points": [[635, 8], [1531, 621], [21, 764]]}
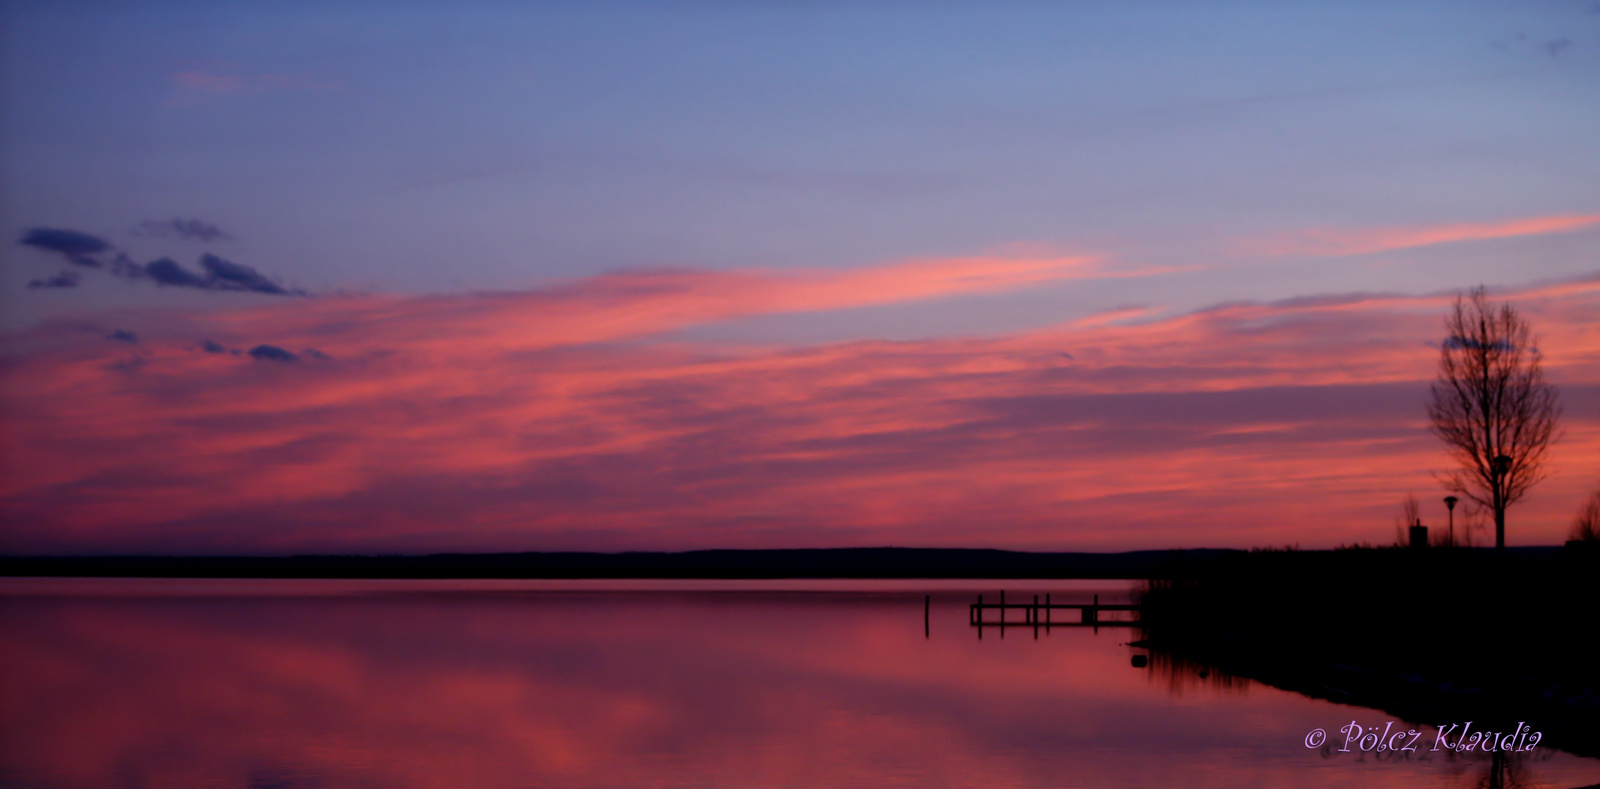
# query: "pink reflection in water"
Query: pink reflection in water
{"points": [[423, 684]]}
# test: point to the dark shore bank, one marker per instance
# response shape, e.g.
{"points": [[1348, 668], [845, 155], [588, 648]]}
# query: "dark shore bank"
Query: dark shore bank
{"points": [[1431, 636]]}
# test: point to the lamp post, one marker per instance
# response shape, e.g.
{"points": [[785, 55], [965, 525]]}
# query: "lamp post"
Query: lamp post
{"points": [[1450, 504]]}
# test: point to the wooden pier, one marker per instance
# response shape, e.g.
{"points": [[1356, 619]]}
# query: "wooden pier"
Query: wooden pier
{"points": [[1040, 614]]}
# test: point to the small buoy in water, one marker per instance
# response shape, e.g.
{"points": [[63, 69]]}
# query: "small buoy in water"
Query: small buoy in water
{"points": [[1139, 661]]}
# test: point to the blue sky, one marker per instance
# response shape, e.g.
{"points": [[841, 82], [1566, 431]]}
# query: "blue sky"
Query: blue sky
{"points": [[432, 148]]}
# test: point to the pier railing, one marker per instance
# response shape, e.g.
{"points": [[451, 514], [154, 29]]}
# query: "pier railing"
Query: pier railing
{"points": [[1039, 614]]}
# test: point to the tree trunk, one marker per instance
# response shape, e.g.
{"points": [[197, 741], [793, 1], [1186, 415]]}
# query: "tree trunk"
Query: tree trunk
{"points": [[1499, 525]]}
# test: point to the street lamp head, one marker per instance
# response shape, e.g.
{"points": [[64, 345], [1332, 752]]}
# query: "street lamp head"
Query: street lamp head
{"points": [[1450, 503]]}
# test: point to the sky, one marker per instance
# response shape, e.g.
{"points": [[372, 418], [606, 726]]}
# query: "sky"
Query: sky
{"points": [[410, 277]]}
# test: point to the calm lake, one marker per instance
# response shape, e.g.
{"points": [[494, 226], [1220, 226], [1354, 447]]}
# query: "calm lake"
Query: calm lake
{"points": [[156, 683]]}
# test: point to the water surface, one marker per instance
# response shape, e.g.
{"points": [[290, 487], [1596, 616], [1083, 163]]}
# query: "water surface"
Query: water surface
{"points": [[135, 683]]}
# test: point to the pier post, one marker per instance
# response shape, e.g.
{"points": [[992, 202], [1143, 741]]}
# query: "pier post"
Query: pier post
{"points": [[1047, 611]]}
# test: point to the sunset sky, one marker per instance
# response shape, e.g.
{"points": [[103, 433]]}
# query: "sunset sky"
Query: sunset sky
{"points": [[608, 276]]}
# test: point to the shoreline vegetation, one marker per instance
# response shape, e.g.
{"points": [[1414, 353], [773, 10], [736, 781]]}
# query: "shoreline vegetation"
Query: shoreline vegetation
{"points": [[1431, 636]]}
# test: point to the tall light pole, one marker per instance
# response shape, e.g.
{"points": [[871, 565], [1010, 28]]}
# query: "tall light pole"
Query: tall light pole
{"points": [[1450, 504]]}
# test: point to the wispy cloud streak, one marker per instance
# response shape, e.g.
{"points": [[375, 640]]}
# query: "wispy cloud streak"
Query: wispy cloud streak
{"points": [[1332, 242], [569, 418], [631, 304]]}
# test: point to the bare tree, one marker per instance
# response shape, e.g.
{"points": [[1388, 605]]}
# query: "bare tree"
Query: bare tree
{"points": [[1410, 515], [1491, 405], [1586, 525]]}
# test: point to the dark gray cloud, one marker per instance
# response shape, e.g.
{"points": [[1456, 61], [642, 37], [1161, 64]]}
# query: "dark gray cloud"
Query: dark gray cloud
{"points": [[187, 229], [215, 274], [226, 275], [79, 248], [211, 347], [166, 271], [123, 335], [218, 274], [313, 353], [66, 279], [272, 353]]}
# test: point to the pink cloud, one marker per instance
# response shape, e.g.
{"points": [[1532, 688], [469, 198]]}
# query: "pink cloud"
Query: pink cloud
{"points": [[1332, 242], [630, 304], [541, 421]]}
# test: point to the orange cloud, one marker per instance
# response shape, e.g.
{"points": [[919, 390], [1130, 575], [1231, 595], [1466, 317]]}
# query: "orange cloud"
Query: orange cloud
{"points": [[533, 421], [1330, 242]]}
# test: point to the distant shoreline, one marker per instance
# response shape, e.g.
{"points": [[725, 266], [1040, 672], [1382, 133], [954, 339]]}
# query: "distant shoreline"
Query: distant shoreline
{"points": [[818, 563]]}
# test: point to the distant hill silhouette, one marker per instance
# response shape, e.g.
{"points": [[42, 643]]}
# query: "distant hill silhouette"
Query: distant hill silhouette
{"points": [[747, 564]]}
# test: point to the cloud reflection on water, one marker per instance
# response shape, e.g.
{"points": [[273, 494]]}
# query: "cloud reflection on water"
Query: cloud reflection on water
{"points": [[590, 688]]}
